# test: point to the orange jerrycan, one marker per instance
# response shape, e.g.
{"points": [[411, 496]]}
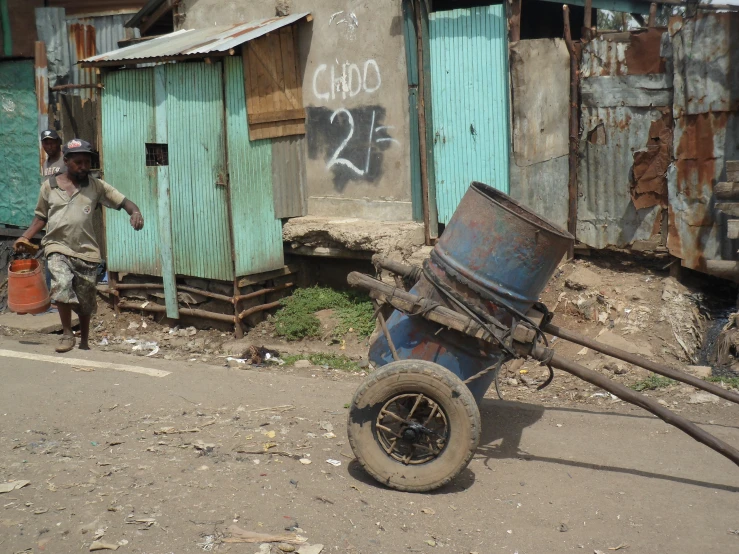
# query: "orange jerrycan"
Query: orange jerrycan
{"points": [[27, 292]]}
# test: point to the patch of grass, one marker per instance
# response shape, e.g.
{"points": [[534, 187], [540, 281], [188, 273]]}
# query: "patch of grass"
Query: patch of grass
{"points": [[731, 382], [296, 319], [333, 361], [652, 382]]}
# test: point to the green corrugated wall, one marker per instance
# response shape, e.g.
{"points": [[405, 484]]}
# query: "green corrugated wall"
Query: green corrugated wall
{"points": [[197, 165], [469, 81], [257, 232], [19, 148], [128, 124]]}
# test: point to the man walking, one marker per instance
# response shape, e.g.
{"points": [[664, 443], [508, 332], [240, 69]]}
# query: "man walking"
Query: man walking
{"points": [[52, 145], [66, 206]]}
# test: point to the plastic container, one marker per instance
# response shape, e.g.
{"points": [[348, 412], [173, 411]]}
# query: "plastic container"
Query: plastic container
{"points": [[27, 290]]}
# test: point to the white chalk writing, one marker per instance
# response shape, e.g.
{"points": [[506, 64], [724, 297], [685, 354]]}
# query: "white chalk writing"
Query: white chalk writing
{"points": [[328, 83], [336, 158]]}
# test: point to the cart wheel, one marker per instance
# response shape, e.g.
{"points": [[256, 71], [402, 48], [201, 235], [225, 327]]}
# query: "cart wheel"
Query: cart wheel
{"points": [[413, 425]]}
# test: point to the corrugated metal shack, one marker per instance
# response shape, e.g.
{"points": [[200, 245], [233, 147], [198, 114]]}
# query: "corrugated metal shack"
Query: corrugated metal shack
{"points": [[203, 129]]}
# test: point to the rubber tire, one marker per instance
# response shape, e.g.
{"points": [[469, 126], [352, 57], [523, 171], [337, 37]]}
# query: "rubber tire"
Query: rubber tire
{"points": [[444, 388]]}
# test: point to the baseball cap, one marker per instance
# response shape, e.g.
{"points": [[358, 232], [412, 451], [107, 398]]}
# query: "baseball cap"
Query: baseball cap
{"points": [[50, 134], [78, 146]]}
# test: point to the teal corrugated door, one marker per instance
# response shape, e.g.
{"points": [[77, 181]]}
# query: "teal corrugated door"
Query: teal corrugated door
{"points": [[197, 171], [257, 233], [19, 149], [128, 124], [469, 101]]}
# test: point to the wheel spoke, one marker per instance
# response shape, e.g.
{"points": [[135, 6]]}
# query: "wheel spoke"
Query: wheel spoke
{"points": [[388, 430], [418, 401], [394, 416], [431, 415]]}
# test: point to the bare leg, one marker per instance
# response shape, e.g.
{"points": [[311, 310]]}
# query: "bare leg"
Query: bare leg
{"points": [[66, 343], [85, 331]]}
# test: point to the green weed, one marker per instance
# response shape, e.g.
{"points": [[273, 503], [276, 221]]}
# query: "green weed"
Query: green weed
{"points": [[333, 361], [731, 382], [296, 319], [652, 382]]}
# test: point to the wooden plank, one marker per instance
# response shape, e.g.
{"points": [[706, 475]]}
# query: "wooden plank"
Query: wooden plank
{"points": [[253, 100], [732, 170], [729, 208], [726, 191], [732, 229], [289, 67], [262, 277], [268, 59], [270, 130], [281, 115]]}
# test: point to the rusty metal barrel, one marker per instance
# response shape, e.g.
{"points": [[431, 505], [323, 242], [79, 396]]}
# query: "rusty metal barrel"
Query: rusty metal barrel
{"points": [[494, 254]]}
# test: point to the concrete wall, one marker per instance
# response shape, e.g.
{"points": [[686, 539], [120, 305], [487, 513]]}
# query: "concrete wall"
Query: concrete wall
{"points": [[355, 91]]}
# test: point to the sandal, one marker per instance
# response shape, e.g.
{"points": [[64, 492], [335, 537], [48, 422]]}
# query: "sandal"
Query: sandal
{"points": [[66, 343]]}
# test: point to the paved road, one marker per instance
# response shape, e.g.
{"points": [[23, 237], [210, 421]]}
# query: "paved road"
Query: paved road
{"points": [[543, 481]]}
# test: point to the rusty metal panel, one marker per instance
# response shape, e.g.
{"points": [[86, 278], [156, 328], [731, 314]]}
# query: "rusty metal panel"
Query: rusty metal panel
{"points": [[18, 142], [636, 91], [706, 134], [606, 215], [51, 26], [705, 49], [540, 132], [631, 53], [626, 137], [221, 38], [289, 177]]}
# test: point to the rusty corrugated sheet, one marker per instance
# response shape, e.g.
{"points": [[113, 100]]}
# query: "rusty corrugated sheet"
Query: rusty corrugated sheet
{"points": [[70, 39], [198, 41], [625, 146], [289, 177], [705, 114]]}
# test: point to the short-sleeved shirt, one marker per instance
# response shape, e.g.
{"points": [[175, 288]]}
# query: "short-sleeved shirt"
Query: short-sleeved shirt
{"points": [[70, 227], [48, 169]]}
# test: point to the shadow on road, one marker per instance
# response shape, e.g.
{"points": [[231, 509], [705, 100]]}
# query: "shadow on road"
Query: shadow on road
{"points": [[505, 421]]}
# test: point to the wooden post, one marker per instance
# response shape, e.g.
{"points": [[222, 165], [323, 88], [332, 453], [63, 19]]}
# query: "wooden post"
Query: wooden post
{"points": [[515, 20], [42, 92], [652, 14], [574, 52], [113, 285], [422, 126], [588, 20]]}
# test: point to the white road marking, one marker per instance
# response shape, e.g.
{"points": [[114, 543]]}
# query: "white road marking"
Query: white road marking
{"points": [[85, 363]]}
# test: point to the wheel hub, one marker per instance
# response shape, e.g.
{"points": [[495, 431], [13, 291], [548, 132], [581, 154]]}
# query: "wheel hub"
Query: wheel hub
{"points": [[412, 428]]}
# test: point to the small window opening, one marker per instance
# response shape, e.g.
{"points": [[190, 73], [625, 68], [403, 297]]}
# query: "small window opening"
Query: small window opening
{"points": [[156, 154]]}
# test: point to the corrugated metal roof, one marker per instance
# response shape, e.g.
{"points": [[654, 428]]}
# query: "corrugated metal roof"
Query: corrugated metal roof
{"points": [[195, 42]]}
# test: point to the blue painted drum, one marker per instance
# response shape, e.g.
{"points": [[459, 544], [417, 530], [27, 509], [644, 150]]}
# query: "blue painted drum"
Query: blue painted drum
{"points": [[494, 251]]}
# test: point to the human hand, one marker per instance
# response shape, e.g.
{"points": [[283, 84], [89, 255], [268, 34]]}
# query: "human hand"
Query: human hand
{"points": [[24, 245], [137, 221]]}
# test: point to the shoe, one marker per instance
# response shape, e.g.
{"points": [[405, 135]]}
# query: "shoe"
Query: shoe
{"points": [[66, 343]]}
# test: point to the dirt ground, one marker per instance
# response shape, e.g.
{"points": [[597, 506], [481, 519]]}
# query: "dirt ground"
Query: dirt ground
{"points": [[168, 465]]}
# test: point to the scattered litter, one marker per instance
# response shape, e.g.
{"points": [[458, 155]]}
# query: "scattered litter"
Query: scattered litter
{"points": [[523, 371], [80, 368], [237, 360], [238, 535], [327, 426], [310, 549], [133, 325], [208, 544], [329, 436], [141, 345], [335, 463], [269, 434], [703, 398], [583, 351], [103, 342], [619, 547], [305, 461], [97, 545], [563, 528], [600, 395], [156, 349], [430, 542], [13, 485], [284, 547], [428, 511], [173, 431], [204, 447]]}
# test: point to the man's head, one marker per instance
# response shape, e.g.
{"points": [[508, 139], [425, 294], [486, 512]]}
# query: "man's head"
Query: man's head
{"points": [[51, 143], [78, 157]]}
